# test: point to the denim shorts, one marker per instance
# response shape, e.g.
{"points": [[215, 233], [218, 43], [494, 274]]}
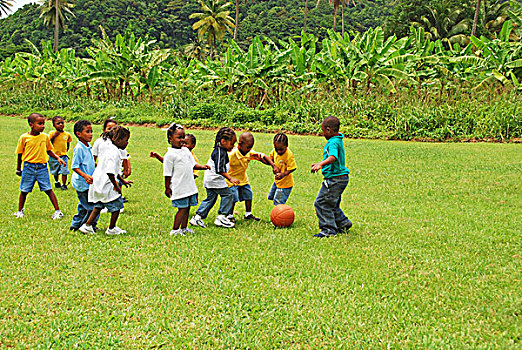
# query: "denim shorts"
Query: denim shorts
{"points": [[190, 201], [56, 168], [112, 206], [33, 172], [242, 193], [279, 195]]}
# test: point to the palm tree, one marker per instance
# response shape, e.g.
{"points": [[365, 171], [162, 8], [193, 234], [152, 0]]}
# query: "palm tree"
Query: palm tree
{"points": [[305, 14], [475, 18], [5, 6], [213, 21], [55, 13]]}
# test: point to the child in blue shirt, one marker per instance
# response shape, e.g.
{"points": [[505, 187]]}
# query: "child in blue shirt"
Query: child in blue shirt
{"points": [[83, 168], [327, 204]]}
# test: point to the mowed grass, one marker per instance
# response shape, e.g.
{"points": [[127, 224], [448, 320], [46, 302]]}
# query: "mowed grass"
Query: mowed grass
{"points": [[433, 259]]}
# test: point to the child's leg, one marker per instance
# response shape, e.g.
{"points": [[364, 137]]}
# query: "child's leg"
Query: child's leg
{"points": [[114, 218], [56, 178], [227, 201], [79, 218], [53, 199], [207, 203], [181, 218], [94, 214], [248, 206], [327, 202], [64, 180], [21, 200]]}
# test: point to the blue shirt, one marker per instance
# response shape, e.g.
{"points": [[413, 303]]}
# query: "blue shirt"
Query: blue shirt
{"points": [[82, 159], [334, 147]]}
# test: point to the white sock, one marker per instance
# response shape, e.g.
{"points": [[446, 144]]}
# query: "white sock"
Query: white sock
{"points": [[248, 213]]}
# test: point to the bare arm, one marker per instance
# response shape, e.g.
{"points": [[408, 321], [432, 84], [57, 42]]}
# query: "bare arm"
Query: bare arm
{"points": [[168, 190], [201, 167], [123, 181], [87, 178], [279, 176], [317, 166], [117, 187], [19, 165], [126, 168], [230, 178], [55, 135], [53, 155], [157, 156]]}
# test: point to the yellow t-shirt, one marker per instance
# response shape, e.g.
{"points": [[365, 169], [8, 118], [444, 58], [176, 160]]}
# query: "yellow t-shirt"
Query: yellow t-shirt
{"points": [[284, 162], [60, 142], [239, 164], [34, 148], [197, 162]]}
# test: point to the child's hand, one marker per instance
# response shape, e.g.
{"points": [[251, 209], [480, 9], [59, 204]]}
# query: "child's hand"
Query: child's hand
{"points": [[18, 172], [153, 155], [62, 163], [316, 167], [168, 192], [234, 181], [279, 176], [257, 156], [117, 188], [275, 170], [126, 173], [127, 183], [207, 167], [88, 179]]}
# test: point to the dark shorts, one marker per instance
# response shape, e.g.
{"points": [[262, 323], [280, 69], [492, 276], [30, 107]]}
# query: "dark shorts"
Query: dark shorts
{"points": [[56, 168], [242, 193], [190, 201], [279, 195], [112, 206], [33, 172]]}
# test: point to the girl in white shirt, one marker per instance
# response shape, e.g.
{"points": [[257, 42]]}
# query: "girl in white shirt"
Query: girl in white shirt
{"points": [[105, 192], [180, 187]]}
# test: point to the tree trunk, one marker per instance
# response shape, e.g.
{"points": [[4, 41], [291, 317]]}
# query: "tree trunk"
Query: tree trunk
{"points": [[56, 25], [475, 19], [305, 14], [335, 18], [342, 19], [237, 19]]}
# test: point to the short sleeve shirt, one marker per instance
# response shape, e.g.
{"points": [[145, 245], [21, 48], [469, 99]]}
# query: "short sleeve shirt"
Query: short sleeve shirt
{"points": [[98, 146], [178, 164], [334, 147], [102, 189], [82, 159], [239, 164], [284, 163], [34, 148], [60, 142], [218, 164]]}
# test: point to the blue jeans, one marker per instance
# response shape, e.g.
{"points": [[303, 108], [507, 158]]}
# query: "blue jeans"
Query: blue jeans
{"points": [[35, 172], [279, 195], [227, 200], [55, 167], [84, 211], [327, 205]]}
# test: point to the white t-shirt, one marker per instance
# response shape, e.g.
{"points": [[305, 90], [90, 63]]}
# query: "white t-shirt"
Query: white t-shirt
{"points": [[109, 162], [218, 163], [100, 144], [179, 164]]}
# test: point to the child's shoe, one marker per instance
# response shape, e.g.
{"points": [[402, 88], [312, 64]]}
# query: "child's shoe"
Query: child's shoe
{"points": [[57, 215], [187, 230], [345, 228], [178, 232], [64, 187], [87, 229], [251, 217], [223, 221], [19, 214], [231, 218], [104, 210], [197, 221], [323, 234], [115, 231], [57, 184]]}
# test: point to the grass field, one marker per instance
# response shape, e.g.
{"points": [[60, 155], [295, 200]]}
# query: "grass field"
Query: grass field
{"points": [[433, 260]]}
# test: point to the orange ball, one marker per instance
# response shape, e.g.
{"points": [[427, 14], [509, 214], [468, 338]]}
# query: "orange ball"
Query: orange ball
{"points": [[282, 215]]}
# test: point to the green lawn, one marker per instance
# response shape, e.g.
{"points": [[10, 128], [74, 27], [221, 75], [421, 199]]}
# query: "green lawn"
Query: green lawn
{"points": [[433, 260]]}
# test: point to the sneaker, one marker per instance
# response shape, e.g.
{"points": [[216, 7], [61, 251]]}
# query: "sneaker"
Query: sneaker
{"points": [[345, 228], [87, 229], [57, 184], [231, 217], [64, 188], [251, 217], [178, 232], [115, 231], [104, 210], [223, 221], [125, 200], [197, 221], [19, 214], [121, 210], [72, 228], [323, 234], [57, 215], [187, 230]]}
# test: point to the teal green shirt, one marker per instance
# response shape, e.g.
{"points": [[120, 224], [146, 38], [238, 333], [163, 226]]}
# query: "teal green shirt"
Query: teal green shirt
{"points": [[334, 147]]}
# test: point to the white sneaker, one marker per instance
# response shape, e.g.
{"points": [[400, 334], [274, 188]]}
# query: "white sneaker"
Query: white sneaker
{"points": [[177, 232], [121, 210], [87, 229], [223, 221], [231, 218], [115, 231], [104, 210], [19, 214], [187, 230], [57, 215], [197, 221]]}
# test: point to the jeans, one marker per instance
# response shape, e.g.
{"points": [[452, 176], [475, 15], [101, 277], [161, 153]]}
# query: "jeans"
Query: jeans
{"points": [[84, 211], [35, 172], [279, 195], [327, 205], [227, 200]]}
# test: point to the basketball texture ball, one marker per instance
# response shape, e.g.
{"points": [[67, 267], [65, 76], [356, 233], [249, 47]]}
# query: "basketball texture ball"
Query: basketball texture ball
{"points": [[282, 215]]}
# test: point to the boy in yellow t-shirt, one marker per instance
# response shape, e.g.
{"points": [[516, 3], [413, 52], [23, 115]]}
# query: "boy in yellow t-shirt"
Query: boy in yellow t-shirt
{"points": [[34, 149], [239, 159], [61, 141], [284, 159]]}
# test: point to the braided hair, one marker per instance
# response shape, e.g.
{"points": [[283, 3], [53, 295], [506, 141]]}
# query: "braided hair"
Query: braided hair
{"points": [[117, 132], [281, 138], [224, 133], [172, 129]]}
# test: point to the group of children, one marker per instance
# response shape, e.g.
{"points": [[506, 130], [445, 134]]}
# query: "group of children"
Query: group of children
{"points": [[98, 186]]}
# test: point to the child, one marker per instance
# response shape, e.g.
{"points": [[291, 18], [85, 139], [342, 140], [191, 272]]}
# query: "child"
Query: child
{"points": [[284, 159], [189, 142], [180, 187], [34, 149], [83, 168], [105, 192], [61, 141], [239, 159], [327, 204], [214, 181]]}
